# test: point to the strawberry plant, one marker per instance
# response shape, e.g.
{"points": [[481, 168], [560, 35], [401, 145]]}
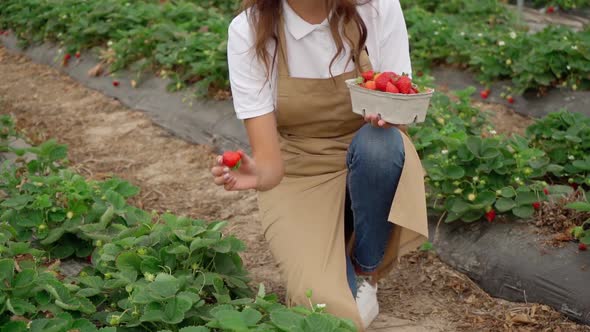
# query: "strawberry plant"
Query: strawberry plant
{"points": [[147, 272], [184, 40], [582, 233], [565, 137], [485, 37]]}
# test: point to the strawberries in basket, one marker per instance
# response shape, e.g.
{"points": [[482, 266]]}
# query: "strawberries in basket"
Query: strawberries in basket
{"points": [[389, 82]]}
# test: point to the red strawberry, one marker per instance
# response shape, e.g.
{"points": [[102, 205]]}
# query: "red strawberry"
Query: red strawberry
{"points": [[404, 84], [391, 88], [232, 159], [546, 191], [371, 85], [368, 75], [116, 83], [391, 74], [582, 247], [536, 205], [550, 10], [381, 82], [89, 259], [485, 94], [574, 186], [510, 99], [491, 215], [77, 55], [67, 57], [414, 91]]}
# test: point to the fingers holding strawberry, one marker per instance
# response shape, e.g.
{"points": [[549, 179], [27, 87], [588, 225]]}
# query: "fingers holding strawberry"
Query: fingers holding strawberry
{"points": [[235, 170]]}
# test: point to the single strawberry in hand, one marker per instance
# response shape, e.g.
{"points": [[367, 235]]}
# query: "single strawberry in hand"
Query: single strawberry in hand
{"points": [[391, 88], [381, 82], [536, 205], [491, 215], [232, 159], [371, 85], [582, 247], [404, 84], [368, 75]]}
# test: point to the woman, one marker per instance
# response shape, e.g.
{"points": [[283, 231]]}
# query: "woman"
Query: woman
{"points": [[339, 196]]}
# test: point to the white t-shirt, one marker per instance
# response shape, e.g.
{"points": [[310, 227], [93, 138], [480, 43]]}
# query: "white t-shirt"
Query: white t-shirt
{"points": [[310, 48]]}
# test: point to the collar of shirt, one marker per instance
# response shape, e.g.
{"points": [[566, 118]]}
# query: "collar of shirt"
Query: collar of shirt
{"points": [[297, 26]]}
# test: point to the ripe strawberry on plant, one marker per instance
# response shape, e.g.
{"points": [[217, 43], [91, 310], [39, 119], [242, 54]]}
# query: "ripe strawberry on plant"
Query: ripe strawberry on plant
{"points": [[510, 99], [77, 55], [391, 88], [491, 215], [404, 84], [232, 159], [550, 10], [582, 247], [368, 75], [485, 94], [546, 191], [116, 83], [536, 205]]}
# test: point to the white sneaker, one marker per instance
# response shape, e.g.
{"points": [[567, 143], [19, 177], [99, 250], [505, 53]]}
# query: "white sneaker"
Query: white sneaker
{"points": [[366, 302]]}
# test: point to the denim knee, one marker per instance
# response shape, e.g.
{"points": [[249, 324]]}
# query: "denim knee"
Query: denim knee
{"points": [[378, 149]]}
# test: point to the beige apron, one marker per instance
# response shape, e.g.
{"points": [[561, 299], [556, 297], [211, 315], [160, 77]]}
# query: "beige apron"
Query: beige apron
{"points": [[303, 217]]}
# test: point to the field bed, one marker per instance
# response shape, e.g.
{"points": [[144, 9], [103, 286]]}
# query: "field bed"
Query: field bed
{"points": [[106, 138]]}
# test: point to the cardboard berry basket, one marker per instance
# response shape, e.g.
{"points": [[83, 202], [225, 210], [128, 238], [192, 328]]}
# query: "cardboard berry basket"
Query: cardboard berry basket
{"points": [[392, 107]]}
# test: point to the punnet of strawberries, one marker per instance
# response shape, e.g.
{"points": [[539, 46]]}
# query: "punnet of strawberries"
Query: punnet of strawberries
{"points": [[389, 82]]}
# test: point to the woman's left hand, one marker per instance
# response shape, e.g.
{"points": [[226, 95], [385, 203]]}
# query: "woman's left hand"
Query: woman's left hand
{"points": [[376, 121]]}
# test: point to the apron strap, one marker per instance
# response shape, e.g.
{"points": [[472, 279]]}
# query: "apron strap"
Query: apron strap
{"points": [[282, 51], [350, 30]]}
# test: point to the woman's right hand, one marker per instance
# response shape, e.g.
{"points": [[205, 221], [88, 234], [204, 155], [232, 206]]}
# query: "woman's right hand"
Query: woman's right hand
{"points": [[244, 178]]}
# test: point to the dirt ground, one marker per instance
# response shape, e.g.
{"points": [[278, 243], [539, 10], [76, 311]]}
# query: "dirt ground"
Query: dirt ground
{"points": [[106, 139]]}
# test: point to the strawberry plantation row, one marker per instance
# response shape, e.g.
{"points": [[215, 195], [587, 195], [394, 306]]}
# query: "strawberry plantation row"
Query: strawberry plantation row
{"points": [[185, 40], [147, 271], [473, 172], [562, 4]]}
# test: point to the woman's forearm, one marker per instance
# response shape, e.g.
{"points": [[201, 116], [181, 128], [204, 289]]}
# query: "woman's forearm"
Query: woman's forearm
{"points": [[269, 175]]}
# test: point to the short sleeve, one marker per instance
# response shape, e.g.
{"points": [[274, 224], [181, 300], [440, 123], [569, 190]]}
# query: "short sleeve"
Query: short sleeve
{"points": [[251, 91], [394, 44]]}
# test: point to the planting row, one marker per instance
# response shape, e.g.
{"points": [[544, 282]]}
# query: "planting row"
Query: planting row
{"points": [[484, 37], [552, 5], [185, 40], [475, 173], [147, 271]]}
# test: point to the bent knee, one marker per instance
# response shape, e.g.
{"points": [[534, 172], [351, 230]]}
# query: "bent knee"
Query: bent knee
{"points": [[378, 147]]}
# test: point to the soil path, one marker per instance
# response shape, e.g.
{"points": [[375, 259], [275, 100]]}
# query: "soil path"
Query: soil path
{"points": [[107, 139]]}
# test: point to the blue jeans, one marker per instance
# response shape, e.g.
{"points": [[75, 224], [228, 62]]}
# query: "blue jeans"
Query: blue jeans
{"points": [[375, 160]]}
